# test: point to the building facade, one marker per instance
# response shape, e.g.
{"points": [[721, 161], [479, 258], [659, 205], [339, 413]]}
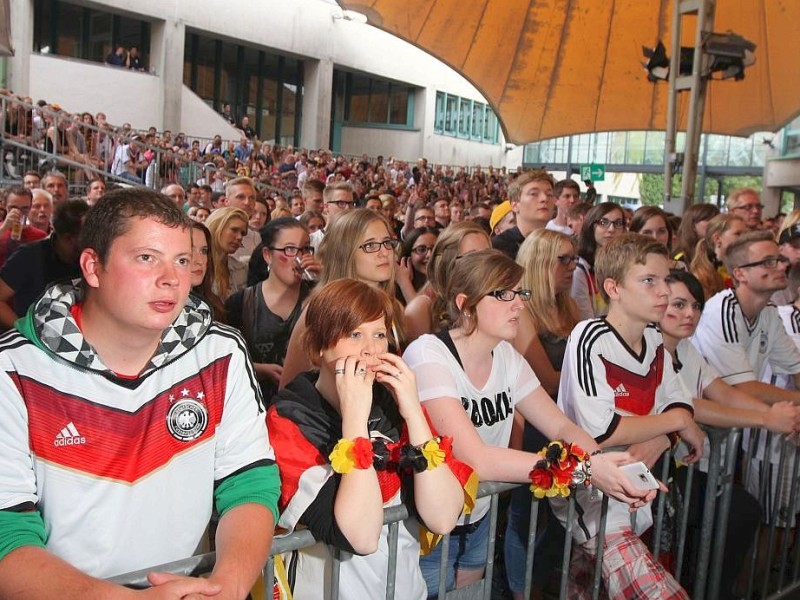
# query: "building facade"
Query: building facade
{"points": [[303, 72]]}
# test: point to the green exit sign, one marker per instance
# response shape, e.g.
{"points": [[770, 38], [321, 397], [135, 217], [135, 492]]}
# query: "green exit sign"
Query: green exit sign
{"points": [[593, 172]]}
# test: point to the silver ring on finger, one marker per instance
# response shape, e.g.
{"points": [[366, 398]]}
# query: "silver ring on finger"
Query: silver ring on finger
{"points": [[361, 372], [339, 371]]}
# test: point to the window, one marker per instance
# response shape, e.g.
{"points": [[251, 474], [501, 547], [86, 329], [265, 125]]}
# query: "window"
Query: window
{"points": [[465, 118], [477, 120], [265, 87], [75, 31], [490, 126], [451, 122], [377, 101], [441, 112]]}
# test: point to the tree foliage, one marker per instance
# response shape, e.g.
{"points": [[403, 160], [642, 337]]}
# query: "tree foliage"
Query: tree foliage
{"points": [[651, 187]]}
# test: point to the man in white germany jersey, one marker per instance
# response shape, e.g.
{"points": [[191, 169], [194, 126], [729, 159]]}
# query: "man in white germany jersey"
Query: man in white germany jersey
{"points": [[128, 414], [742, 336]]}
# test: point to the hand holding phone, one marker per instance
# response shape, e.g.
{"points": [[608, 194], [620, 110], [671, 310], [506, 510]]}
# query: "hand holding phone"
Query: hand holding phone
{"points": [[640, 476]]}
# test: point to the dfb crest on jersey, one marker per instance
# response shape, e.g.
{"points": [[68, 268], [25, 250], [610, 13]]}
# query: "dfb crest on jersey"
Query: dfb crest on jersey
{"points": [[187, 419]]}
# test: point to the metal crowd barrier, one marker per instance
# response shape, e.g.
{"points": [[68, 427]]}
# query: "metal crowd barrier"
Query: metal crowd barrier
{"points": [[773, 581], [30, 155]]}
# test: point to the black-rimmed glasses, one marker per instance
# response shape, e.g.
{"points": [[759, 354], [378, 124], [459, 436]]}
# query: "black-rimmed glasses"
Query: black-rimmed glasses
{"points": [[292, 251], [567, 259], [509, 295], [388, 244], [343, 204], [770, 262], [606, 223]]}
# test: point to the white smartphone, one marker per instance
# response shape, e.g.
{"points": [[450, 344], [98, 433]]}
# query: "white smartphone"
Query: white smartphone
{"points": [[640, 476]]}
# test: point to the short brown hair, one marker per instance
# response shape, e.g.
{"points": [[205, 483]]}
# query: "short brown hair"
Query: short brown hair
{"points": [[737, 251], [566, 183], [111, 215], [515, 189], [622, 252], [338, 308], [476, 275]]}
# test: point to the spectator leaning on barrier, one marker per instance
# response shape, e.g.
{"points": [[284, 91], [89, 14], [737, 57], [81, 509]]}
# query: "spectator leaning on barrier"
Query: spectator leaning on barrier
{"points": [[115, 452], [741, 335], [618, 384], [719, 405]]}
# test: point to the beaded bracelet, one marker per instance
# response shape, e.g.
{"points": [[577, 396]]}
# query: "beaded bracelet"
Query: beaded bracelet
{"points": [[349, 454], [563, 467]]}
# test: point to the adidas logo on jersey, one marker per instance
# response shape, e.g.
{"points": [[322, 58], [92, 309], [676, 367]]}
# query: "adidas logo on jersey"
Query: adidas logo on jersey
{"points": [[69, 436], [620, 390]]}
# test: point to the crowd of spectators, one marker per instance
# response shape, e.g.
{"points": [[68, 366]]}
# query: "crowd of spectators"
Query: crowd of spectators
{"points": [[272, 225]]}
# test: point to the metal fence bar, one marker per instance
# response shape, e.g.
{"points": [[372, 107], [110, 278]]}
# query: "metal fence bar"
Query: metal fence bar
{"points": [[792, 504], [708, 524], [567, 548], [755, 436], [443, 566], [391, 577], [487, 578], [336, 563], [662, 504], [725, 491], [707, 568], [774, 513], [598, 563], [684, 522], [531, 547]]}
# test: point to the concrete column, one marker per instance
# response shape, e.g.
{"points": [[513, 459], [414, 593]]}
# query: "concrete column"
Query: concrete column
{"points": [[166, 60], [317, 96], [19, 65]]}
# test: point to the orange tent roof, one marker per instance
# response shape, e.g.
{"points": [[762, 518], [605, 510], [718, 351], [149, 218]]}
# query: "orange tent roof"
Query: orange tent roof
{"points": [[557, 67]]}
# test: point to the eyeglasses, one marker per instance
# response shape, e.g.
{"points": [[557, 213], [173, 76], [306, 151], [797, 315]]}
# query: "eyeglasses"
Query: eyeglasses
{"points": [[509, 295], [292, 251], [567, 259], [770, 262], [425, 218], [421, 249], [606, 223], [343, 204], [750, 207], [388, 244]]}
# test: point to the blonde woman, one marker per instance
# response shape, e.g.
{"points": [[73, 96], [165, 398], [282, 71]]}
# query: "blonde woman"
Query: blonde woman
{"points": [[228, 226], [549, 258], [707, 263], [357, 245]]}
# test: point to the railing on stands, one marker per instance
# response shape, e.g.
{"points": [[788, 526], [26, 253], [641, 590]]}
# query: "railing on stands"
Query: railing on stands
{"points": [[769, 583], [27, 152]]}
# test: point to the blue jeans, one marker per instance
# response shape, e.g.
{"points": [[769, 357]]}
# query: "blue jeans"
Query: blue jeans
{"points": [[467, 551]]}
